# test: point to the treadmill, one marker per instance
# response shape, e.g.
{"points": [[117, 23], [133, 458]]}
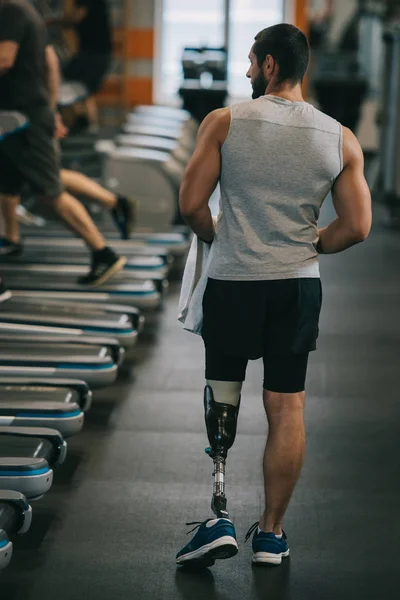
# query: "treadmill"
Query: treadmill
{"points": [[186, 127], [75, 319], [148, 267], [81, 392], [166, 111], [46, 335], [155, 143], [135, 316], [170, 132], [30, 357], [73, 247], [68, 272], [15, 518], [168, 128], [27, 458], [141, 294], [173, 243], [55, 407]]}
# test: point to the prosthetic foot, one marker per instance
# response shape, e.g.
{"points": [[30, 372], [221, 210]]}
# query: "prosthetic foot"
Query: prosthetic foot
{"points": [[221, 422]]}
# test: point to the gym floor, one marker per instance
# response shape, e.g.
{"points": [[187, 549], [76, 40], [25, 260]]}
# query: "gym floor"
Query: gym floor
{"points": [[116, 516]]}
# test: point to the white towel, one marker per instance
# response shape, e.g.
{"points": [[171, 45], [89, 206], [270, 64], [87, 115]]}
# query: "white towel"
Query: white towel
{"points": [[194, 284]]}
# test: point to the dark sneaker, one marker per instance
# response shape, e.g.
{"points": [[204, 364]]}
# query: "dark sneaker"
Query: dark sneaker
{"points": [[214, 539], [4, 293], [267, 547], [124, 215], [105, 264], [8, 248]]}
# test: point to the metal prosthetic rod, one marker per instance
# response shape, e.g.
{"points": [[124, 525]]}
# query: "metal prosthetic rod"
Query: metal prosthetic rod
{"points": [[218, 502], [221, 423]]}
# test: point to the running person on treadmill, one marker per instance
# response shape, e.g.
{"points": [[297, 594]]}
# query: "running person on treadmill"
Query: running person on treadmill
{"points": [[276, 159], [92, 23], [31, 157]]}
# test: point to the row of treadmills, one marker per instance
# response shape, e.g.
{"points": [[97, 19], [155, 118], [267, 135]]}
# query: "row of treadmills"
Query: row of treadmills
{"points": [[59, 341]]}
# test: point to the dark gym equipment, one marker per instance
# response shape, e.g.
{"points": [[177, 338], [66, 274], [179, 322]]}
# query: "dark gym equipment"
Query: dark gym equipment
{"points": [[15, 518], [204, 87], [27, 458], [340, 86]]}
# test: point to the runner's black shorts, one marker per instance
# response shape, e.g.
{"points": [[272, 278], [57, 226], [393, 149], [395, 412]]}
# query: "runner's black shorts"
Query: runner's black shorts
{"points": [[32, 157], [275, 320], [89, 69]]}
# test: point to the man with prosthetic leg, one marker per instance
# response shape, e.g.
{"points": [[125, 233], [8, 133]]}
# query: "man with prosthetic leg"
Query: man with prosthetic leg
{"points": [[276, 158]]}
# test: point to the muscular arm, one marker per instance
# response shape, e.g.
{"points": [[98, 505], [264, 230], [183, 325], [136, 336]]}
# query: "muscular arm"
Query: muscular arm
{"points": [[54, 76], [352, 202], [202, 174]]}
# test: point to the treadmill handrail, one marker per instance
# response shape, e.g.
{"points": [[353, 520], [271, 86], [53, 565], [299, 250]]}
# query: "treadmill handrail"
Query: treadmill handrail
{"points": [[19, 501], [15, 498], [51, 435]]}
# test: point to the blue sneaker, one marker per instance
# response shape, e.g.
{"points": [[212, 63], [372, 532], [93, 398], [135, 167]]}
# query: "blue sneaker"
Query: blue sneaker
{"points": [[215, 538], [267, 547]]}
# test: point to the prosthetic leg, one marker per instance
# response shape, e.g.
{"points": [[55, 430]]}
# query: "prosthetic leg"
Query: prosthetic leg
{"points": [[221, 422]]}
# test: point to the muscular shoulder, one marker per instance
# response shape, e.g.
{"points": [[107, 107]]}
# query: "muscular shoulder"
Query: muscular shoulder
{"points": [[216, 125], [352, 151]]}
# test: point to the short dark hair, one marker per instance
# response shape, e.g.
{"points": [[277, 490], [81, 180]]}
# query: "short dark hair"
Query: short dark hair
{"points": [[288, 45]]}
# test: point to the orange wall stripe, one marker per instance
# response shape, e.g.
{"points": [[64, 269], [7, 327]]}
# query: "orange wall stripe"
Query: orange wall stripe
{"points": [[140, 43], [301, 21], [301, 15], [139, 91], [111, 86]]}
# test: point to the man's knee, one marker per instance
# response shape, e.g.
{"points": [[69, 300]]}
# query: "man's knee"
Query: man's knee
{"points": [[279, 405]]}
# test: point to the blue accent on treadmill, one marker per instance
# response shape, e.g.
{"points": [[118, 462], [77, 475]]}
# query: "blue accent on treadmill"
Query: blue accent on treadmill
{"points": [[49, 415], [24, 473], [133, 294], [110, 331], [99, 289], [47, 365], [16, 130], [85, 367], [166, 242], [143, 267], [4, 543]]}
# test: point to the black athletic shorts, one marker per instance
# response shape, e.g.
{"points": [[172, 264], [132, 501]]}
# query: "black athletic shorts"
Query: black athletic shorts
{"points": [[89, 69], [31, 157], [277, 320]]}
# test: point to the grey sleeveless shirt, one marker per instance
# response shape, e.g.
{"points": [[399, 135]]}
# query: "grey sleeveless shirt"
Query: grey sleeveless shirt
{"points": [[279, 161]]}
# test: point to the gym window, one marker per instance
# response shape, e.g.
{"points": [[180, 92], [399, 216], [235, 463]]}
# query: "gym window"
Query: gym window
{"points": [[213, 23]]}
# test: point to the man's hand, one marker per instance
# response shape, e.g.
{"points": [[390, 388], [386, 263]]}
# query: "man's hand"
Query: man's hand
{"points": [[60, 130]]}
